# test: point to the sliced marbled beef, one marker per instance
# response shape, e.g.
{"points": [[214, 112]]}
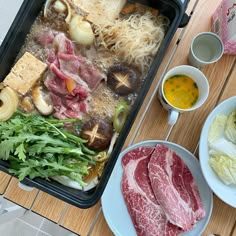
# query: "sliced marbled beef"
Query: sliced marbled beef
{"points": [[72, 77], [81, 70], [147, 215], [45, 37], [61, 52], [175, 188], [63, 45]]}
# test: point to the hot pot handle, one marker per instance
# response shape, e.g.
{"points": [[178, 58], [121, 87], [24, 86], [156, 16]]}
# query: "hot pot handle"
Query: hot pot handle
{"points": [[184, 21]]}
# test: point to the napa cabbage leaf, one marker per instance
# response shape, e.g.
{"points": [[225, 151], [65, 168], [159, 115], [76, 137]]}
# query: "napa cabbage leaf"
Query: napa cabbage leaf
{"points": [[224, 147], [225, 167], [217, 128], [230, 127]]}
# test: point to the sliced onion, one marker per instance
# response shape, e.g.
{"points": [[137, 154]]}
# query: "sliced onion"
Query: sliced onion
{"points": [[45, 10], [73, 184], [27, 104], [101, 156], [112, 143], [9, 102], [81, 31], [69, 11], [59, 6]]}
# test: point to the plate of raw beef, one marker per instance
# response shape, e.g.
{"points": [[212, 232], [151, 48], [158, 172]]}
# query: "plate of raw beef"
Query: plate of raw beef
{"points": [[157, 188]]}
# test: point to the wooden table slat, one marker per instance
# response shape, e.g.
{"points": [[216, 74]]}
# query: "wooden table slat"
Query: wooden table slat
{"points": [[15, 194], [4, 181], [48, 206], [222, 219], [80, 220]]}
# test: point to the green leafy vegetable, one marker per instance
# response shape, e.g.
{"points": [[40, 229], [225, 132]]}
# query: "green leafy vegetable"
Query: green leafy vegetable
{"points": [[36, 146], [120, 116]]}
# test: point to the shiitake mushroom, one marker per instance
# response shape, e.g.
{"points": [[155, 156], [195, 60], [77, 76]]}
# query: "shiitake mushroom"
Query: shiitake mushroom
{"points": [[122, 80], [40, 101], [98, 132]]}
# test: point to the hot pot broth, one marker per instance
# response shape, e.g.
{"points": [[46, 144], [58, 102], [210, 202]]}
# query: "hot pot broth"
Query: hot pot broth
{"points": [[121, 75]]}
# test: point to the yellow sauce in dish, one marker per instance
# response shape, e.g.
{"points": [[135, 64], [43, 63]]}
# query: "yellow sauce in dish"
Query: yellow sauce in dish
{"points": [[181, 91]]}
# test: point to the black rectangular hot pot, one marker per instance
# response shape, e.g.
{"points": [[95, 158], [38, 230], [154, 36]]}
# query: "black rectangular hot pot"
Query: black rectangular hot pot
{"points": [[15, 38]]}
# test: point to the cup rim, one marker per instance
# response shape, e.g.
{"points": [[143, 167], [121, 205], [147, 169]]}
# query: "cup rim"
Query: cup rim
{"points": [[172, 107], [212, 34]]}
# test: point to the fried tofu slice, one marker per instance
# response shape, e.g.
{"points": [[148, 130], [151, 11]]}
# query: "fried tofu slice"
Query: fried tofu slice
{"points": [[25, 73]]}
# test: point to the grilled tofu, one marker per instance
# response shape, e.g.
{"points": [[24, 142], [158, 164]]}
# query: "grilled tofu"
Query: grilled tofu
{"points": [[25, 73]]}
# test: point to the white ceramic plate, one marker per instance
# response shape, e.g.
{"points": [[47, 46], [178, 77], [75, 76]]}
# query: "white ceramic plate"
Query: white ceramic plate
{"points": [[113, 205], [224, 192]]}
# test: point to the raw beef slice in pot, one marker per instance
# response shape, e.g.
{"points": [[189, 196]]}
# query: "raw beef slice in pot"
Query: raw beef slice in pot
{"points": [[148, 217], [175, 188]]}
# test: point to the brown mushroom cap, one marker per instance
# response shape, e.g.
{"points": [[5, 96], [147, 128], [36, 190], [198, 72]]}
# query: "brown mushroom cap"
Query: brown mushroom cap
{"points": [[98, 132], [122, 80]]}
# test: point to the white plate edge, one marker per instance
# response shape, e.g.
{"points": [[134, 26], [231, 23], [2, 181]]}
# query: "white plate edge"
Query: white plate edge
{"points": [[153, 143]]}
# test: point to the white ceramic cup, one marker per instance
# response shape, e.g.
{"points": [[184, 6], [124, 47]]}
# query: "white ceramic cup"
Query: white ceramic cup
{"points": [[206, 48], [202, 84]]}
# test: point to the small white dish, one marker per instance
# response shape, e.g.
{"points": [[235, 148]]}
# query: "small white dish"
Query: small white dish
{"points": [[227, 193], [114, 207]]}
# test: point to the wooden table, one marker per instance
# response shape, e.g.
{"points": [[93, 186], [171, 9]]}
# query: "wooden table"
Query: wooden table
{"points": [[151, 125]]}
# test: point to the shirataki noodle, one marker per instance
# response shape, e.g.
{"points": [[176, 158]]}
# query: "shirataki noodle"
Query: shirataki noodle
{"points": [[134, 40]]}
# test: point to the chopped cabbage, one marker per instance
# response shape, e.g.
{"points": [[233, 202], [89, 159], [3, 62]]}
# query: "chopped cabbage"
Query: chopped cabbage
{"points": [[225, 168], [230, 128], [217, 128], [223, 146]]}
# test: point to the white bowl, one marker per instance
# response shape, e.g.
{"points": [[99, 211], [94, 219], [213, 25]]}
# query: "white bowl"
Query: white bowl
{"points": [[226, 193], [113, 204]]}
